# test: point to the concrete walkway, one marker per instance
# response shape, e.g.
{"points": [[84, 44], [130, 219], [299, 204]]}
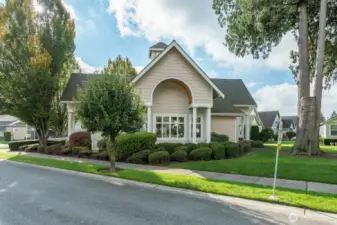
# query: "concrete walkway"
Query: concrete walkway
{"points": [[293, 184]]}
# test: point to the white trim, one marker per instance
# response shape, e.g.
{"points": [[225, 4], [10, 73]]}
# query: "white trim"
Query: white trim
{"points": [[148, 104], [208, 125], [169, 115], [200, 105], [149, 121], [170, 78], [157, 49], [244, 105], [228, 114], [187, 57], [194, 126]]}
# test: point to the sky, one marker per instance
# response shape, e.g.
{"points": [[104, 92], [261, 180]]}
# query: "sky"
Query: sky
{"points": [[107, 28]]}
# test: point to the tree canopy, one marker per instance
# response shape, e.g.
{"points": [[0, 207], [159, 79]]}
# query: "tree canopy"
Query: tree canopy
{"points": [[122, 64]]}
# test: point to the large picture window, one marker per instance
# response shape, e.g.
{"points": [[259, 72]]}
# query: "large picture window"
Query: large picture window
{"points": [[199, 127], [333, 130], [168, 126]]}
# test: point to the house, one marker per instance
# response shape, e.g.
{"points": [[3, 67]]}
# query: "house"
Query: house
{"points": [[288, 125], [328, 129], [183, 103], [293, 118], [270, 119], [13, 125]]}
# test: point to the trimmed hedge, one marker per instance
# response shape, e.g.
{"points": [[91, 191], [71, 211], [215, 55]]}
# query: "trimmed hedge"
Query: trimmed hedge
{"points": [[255, 133], [182, 147], [218, 150], [53, 149], [76, 150], [257, 144], [158, 149], [81, 138], [103, 155], [159, 157], [127, 144], [266, 134], [190, 147], [179, 156], [139, 157], [245, 146], [168, 146], [203, 145], [7, 136], [290, 134], [32, 148], [232, 149], [328, 141], [200, 154], [15, 145], [219, 137]]}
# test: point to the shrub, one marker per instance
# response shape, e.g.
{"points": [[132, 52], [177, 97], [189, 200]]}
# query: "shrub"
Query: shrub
{"points": [[290, 134], [232, 149], [181, 147], [65, 151], [23, 147], [158, 149], [32, 148], [85, 153], [168, 146], [218, 150], [104, 155], [127, 144], [76, 150], [321, 140], [219, 137], [159, 157], [53, 149], [245, 146], [200, 154], [190, 147], [266, 134], [329, 141], [203, 145], [102, 144], [139, 157], [275, 137], [179, 155], [81, 138], [255, 133], [14, 145], [7, 136], [257, 144]]}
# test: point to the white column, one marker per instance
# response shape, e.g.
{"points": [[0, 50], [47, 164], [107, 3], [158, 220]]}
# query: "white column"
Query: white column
{"points": [[247, 128], [70, 123], [208, 125], [149, 119], [194, 130]]}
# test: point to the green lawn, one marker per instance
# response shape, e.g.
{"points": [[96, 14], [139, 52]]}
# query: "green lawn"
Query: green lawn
{"points": [[3, 146], [262, 164], [304, 199], [286, 145]]}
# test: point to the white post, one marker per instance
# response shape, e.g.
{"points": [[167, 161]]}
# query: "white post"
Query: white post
{"points": [[247, 128], [149, 120], [70, 122], [208, 125], [194, 130]]}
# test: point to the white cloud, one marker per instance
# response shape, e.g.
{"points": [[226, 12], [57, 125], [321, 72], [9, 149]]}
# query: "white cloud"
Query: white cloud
{"points": [[212, 74], [86, 68], [71, 10], [251, 84], [192, 23], [283, 97]]}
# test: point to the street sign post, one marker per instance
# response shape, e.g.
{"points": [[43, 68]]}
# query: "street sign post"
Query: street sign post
{"points": [[279, 147]]}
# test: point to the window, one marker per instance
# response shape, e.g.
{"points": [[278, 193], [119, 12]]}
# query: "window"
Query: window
{"points": [[170, 126], [333, 129], [199, 127]]}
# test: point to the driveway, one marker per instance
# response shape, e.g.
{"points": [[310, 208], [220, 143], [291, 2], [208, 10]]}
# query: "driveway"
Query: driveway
{"points": [[38, 196]]}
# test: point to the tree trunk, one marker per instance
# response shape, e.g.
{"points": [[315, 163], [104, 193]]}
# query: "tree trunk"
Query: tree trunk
{"points": [[303, 80], [319, 67], [113, 153], [42, 132], [306, 140]]}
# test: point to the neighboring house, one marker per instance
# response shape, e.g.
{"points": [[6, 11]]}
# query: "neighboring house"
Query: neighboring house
{"points": [[328, 128], [288, 125], [183, 103], [270, 119], [13, 125]]}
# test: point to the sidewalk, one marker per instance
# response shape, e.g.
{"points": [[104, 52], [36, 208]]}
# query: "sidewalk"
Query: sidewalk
{"points": [[294, 184]]}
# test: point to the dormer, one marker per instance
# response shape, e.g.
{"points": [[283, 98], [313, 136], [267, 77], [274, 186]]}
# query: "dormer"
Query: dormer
{"points": [[156, 50]]}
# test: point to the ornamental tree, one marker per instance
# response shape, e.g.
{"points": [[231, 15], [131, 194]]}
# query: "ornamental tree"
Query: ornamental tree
{"points": [[110, 105], [34, 46]]}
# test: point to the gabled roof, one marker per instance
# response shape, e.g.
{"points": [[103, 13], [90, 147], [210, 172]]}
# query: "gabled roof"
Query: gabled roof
{"points": [[76, 80], [223, 105], [174, 44], [268, 117], [235, 90], [160, 45], [5, 123], [293, 118], [287, 123]]}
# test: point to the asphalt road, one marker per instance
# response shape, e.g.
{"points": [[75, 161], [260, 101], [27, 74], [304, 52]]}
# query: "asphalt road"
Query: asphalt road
{"points": [[39, 196]]}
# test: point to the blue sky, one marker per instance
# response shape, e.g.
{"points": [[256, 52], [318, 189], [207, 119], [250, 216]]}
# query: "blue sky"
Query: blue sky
{"points": [[106, 28]]}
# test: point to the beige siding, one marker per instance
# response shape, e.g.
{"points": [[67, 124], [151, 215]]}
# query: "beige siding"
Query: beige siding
{"points": [[174, 65], [224, 125], [18, 133], [170, 98]]}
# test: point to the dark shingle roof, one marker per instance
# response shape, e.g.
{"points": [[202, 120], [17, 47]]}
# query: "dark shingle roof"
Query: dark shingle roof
{"points": [[5, 123], [268, 117], [235, 91], [293, 118], [159, 45], [287, 123], [221, 105], [75, 81]]}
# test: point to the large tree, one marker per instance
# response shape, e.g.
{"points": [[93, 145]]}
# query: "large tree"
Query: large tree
{"points": [[256, 26], [33, 49], [110, 105], [124, 64]]}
